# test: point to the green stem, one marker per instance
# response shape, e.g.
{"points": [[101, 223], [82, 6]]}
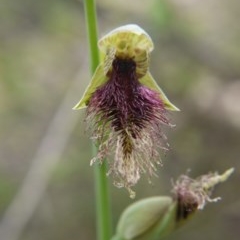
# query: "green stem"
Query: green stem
{"points": [[102, 204], [101, 183], [90, 15]]}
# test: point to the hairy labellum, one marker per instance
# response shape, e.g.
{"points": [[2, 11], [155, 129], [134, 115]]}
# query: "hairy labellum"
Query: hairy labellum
{"points": [[127, 119]]}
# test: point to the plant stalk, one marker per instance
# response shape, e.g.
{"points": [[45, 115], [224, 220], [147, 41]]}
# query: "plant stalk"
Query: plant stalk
{"points": [[103, 221]]}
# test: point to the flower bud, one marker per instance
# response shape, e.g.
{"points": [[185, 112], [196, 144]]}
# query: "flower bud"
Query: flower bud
{"points": [[155, 217], [147, 219]]}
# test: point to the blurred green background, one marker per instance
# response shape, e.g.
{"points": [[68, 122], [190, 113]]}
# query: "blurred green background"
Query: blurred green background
{"points": [[46, 183]]}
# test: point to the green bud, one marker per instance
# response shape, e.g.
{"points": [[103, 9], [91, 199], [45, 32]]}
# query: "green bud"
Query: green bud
{"points": [[155, 217], [149, 219]]}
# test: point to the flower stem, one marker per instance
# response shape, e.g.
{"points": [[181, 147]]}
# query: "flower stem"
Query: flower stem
{"points": [[101, 183], [90, 16]]}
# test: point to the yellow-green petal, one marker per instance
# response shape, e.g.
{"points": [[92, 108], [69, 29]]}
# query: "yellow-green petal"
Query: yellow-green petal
{"points": [[149, 82], [98, 79], [126, 38], [127, 42]]}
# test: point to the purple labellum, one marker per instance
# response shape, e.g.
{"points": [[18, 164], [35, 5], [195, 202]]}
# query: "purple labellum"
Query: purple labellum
{"points": [[127, 120]]}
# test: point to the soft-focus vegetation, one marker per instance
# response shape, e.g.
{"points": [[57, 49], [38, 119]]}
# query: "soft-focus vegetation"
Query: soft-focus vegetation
{"points": [[44, 70]]}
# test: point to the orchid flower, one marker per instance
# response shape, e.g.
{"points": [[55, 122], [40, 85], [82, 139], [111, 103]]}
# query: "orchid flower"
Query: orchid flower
{"points": [[126, 109]]}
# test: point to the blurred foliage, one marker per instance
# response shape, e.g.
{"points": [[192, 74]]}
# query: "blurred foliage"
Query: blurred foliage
{"points": [[196, 59]]}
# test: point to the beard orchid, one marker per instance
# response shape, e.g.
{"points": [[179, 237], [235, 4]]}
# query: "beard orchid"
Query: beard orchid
{"points": [[126, 109]]}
